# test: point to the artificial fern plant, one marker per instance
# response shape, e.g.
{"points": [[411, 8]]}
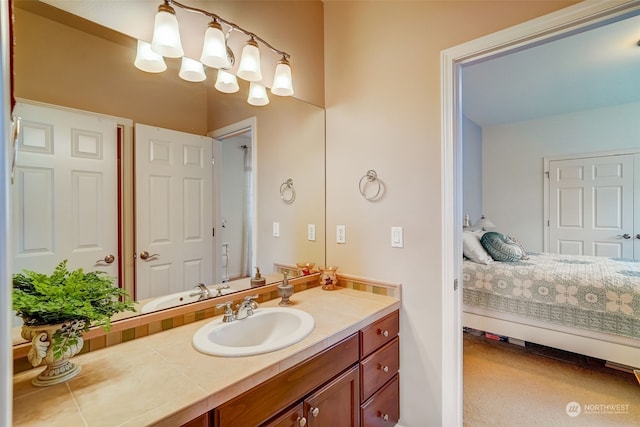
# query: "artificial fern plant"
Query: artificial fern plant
{"points": [[90, 297]]}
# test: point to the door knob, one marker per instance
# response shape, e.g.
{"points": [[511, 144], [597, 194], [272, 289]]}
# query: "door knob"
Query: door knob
{"points": [[637, 236], [625, 235], [144, 255], [108, 259], [302, 421], [315, 411]]}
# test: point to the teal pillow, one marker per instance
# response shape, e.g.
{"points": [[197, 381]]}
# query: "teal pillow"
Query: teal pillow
{"points": [[501, 247]]}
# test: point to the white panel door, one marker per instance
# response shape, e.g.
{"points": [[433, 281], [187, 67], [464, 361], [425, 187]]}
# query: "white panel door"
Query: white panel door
{"points": [[64, 195], [174, 211], [591, 206]]}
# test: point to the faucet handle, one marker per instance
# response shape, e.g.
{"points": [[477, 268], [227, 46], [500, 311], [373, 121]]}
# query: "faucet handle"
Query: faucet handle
{"points": [[219, 289], [251, 301], [228, 311]]}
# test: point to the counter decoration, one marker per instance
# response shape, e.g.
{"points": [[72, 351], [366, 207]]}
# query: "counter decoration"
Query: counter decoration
{"points": [[328, 277], [57, 309], [305, 268]]}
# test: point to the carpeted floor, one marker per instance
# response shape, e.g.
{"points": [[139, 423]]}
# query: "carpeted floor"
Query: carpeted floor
{"points": [[508, 385]]}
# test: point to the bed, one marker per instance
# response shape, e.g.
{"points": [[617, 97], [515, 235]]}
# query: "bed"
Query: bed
{"points": [[587, 305]]}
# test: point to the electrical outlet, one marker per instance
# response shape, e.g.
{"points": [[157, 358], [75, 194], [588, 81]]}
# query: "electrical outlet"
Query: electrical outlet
{"points": [[341, 236], [276, 229], [397, 239], [311, 232]]}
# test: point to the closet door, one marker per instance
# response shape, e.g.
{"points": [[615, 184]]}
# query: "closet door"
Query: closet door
{"points": [[591, 206]]}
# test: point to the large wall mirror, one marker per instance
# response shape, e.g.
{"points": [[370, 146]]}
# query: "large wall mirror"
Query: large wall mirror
{"points": [[63, 60]]}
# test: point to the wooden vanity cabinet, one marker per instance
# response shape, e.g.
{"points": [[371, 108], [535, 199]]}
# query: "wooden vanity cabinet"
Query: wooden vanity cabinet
{"points": [[317, 380], [379, 365], [353, 383]]}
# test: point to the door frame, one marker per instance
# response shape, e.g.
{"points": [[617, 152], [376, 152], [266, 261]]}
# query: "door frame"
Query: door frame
{"points": [[533, 32], [219, 134]]}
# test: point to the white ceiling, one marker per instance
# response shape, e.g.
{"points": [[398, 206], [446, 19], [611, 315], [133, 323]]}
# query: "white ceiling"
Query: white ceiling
{"points": [[593, 69]]}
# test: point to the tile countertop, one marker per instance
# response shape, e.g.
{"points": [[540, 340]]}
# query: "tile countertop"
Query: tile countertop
{"points": [[162, 380]]}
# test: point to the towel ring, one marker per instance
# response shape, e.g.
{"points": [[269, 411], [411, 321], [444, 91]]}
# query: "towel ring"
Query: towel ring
{"points": [[370, 177], [287, 192]]}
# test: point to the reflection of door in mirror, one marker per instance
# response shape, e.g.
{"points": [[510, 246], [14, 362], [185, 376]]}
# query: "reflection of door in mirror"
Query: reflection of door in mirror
{"points": [[234, 249], [174, 238], [65, 190]]}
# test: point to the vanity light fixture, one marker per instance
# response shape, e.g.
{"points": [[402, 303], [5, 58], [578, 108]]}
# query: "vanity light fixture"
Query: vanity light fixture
{"points": [[216, 53], [282, 80], [250, 62], [147, 60], [257, 95], [166, 34], [214, 49], [226, 82], [192, 70]]}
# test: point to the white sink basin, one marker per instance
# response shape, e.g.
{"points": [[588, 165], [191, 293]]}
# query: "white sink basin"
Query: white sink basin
{"points": [[268, 329], [175, 300]]}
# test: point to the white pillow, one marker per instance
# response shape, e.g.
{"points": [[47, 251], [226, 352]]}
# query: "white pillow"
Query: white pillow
{"points": [[472, 248]]}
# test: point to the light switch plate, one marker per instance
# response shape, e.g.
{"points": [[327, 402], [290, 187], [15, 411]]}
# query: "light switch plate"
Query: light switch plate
{"points": [[311, 232], [397, 239], [276, 229], [341, 236]]}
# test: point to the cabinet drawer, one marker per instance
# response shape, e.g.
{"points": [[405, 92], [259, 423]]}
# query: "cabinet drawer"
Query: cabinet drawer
{"points": [[379, 333], [383, 408], [379, 368]]}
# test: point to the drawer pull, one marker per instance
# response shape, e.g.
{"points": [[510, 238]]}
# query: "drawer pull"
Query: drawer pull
{"points": [[315, 412], [301, 421], [385, 417], [384, 333], [385, 369]]}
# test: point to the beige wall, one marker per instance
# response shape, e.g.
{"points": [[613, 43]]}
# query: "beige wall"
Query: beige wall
{"points": [[382, 71], [60, 65], [290, 145], [291, 26]]}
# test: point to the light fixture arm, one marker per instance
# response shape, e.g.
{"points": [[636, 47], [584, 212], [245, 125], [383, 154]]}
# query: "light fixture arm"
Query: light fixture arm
{"points": [[230, 24]]}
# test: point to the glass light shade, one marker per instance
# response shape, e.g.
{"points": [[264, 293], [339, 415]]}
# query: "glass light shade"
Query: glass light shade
{"points": [[226, 82], [282, 85], [191, 70], [257, 95], [214, 50], [147, 60], [249, 68], [166, 34]]}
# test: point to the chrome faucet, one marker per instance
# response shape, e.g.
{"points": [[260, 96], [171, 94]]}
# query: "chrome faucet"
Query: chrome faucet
{"points": [[245, 309], [203, 292]]}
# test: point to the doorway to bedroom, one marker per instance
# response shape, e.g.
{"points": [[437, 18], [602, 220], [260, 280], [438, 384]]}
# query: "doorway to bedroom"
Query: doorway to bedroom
{"points": [[489, 182]]}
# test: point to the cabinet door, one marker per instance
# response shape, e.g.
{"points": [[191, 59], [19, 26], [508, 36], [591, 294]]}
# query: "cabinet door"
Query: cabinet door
{"points": [[337, 403], [294, 417]]}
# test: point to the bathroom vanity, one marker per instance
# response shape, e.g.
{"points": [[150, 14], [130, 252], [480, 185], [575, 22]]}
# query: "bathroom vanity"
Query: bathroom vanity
{"points": [[344, 373]]}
